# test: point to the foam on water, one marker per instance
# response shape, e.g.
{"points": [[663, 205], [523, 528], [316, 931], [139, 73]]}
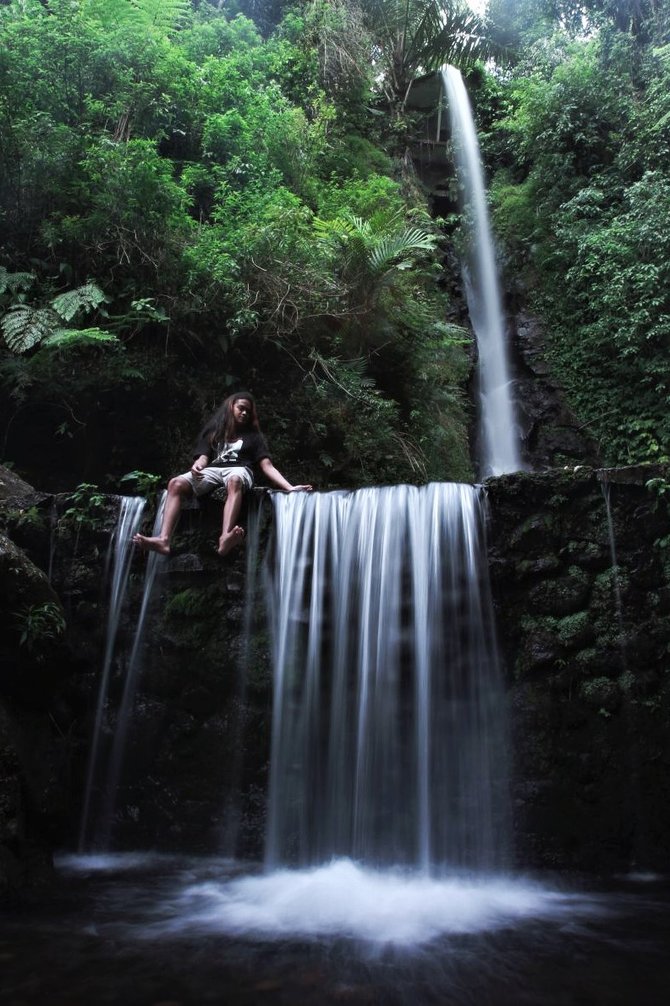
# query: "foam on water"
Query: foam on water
{"points": [[378, 907]]}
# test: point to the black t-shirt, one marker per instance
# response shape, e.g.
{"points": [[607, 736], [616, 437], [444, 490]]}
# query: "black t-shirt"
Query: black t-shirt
{"points": [[245, 451]]}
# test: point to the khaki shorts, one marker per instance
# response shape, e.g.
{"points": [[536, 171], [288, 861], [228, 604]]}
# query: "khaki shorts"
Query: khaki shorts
{"points": [[214, 478]]}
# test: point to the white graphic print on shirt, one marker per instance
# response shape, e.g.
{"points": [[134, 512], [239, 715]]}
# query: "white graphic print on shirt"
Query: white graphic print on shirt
{"points": [[229, 453]]}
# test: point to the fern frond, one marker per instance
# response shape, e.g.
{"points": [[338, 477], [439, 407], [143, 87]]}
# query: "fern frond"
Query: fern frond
{"points": [[24, 327], [111, 13], [84, 298], [163, 15], [14, 282], [75, 338]]}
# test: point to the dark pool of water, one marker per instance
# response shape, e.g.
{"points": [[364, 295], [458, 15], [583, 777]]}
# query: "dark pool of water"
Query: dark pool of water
{"points": [[125, 931]]}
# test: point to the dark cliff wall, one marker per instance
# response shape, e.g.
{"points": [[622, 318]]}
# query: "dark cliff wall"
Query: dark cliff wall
{"points": [[586, 647]]}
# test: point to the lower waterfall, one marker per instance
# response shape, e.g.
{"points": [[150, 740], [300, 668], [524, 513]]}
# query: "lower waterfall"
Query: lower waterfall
{"points": [[388, 740]]}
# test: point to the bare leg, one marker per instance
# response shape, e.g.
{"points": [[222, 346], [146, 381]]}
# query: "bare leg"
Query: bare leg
{"points": [[178, 489], [231, 533]]}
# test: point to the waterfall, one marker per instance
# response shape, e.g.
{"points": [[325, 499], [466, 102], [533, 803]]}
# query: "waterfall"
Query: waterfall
{"points": [[120, 553], [500, 446], [616, 577], [388, 740], [154, 562]]}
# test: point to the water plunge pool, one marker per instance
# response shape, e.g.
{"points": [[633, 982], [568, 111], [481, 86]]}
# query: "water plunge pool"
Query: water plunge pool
{"points": [[144, 929]]}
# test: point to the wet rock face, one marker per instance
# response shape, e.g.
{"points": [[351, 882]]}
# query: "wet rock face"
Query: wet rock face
{"points": [[551, 434], [194, 768], [34, 662], [585, 645]]}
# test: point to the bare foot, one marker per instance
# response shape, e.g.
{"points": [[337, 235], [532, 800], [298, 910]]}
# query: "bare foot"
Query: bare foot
{"points": [[159, 545], [230, 540]]}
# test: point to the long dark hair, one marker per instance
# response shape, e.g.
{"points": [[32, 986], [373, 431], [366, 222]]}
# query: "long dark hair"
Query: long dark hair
{"points": [[222, 427]]}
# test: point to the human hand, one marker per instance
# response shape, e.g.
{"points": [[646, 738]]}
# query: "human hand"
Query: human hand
{"points": [[196, 472], [301, 489]]}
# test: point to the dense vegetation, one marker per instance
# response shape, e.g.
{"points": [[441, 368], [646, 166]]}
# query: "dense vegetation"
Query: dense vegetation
{"points": [[190, 207], [579, 141], [196, 197]]}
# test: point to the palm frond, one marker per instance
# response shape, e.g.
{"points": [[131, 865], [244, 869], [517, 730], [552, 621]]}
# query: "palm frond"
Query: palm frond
{"points": [[414, 36], [394, 249]]}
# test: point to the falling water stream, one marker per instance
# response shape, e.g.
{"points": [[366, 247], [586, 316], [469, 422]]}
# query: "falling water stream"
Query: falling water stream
{"points": [[121, 548], [124, 715], [500, 441], [616, 575], [389, 731], [96, 823]]}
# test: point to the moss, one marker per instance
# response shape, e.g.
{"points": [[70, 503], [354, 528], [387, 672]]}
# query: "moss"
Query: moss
{"points": [[575, 631]]}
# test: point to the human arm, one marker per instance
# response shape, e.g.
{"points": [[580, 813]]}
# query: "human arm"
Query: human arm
{"points": [[198, 464], [278, 480]]}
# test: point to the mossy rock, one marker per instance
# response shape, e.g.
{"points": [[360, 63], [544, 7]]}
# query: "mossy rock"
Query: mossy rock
{"points": [[589, 555], [542, 565], [575, 631], [602, 694], [532, 534], [563, 595]]}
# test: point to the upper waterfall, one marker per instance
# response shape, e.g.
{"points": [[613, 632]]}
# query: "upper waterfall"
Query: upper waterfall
{"points": [[500, 441]]}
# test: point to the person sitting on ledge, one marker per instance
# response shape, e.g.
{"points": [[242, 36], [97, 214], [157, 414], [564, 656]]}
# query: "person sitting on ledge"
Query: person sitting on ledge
{"points": [[228, 448]]}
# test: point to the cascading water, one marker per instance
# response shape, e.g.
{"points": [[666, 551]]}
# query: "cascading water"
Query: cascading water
{"points": [[388, 734], [500, 442], [154, 562], [120, 551]]}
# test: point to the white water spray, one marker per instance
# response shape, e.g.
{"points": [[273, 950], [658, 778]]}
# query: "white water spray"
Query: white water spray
{"points": [[500, 441]]}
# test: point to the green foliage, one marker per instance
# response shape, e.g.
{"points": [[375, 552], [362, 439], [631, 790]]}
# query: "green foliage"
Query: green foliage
{"points": [[31, 518], [236, 201], [14, 282], [414, 36], [85, 298], [160, 17], [144, 483], [86, 510], [39, 625], [583, 206], [25, 327]]}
